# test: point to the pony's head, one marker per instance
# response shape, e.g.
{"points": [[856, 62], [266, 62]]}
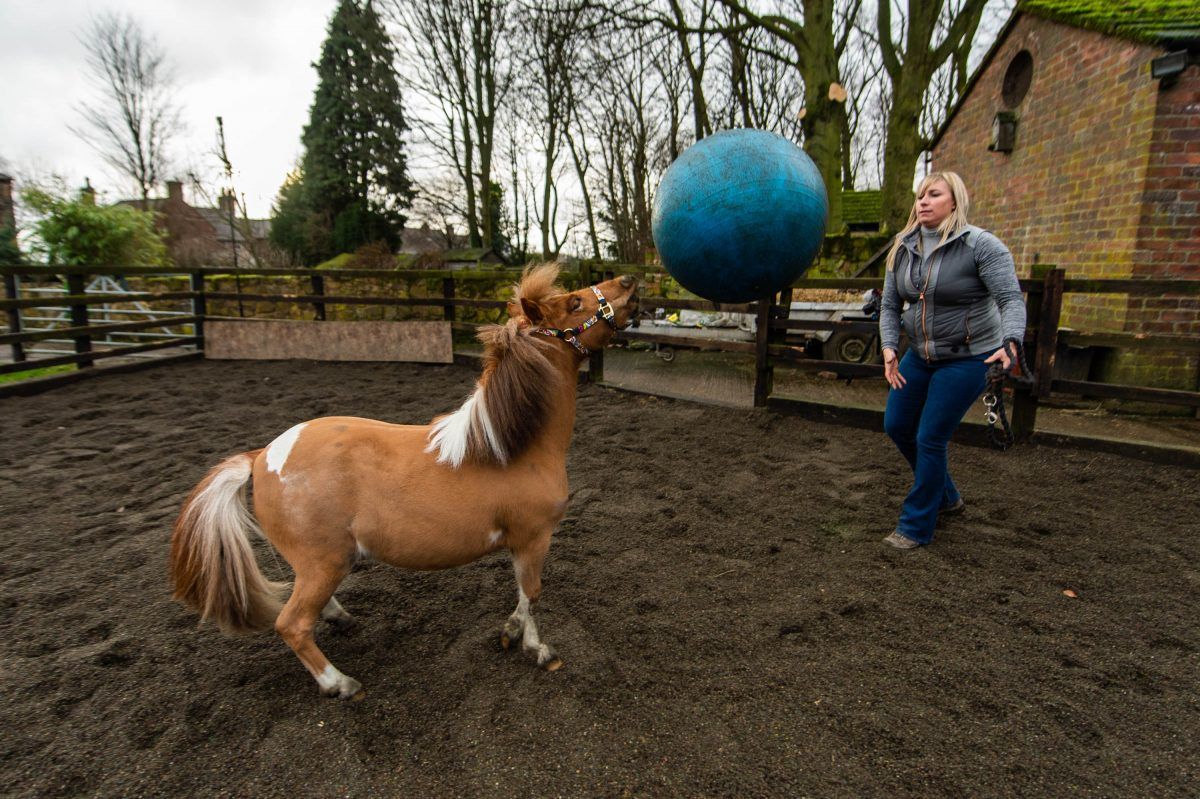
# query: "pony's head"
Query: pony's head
{"points": [[521, 381], [586, 319]]}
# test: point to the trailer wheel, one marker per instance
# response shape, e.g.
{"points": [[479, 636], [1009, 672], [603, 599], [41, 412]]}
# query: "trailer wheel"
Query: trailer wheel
{"points": [[849, 347]]}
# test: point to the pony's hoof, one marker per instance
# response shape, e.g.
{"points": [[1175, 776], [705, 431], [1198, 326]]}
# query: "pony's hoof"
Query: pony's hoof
{"points": [[505, 641], [548, 659], [343, 624], [347, 688]]}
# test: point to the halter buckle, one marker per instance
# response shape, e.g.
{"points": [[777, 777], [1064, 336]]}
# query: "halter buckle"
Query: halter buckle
{"points": [[604, 311]]}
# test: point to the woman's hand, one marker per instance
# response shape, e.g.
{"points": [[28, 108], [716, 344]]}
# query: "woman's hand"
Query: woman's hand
{"points": [[891, 369], [1002, 356]]}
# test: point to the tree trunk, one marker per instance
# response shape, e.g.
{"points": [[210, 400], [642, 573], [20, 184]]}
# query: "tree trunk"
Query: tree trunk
{"points": [[901, 150], [911, 71], [823, 117]]}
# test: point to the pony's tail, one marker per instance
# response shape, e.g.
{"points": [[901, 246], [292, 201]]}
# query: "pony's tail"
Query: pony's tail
{"points": [[212, 564]]}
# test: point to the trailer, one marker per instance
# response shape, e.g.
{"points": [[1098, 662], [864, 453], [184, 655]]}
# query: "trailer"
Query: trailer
{"points": [[848, 346]]}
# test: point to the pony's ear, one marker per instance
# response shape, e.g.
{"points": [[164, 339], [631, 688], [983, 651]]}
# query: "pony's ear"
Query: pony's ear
{"points": [[532, 310]]}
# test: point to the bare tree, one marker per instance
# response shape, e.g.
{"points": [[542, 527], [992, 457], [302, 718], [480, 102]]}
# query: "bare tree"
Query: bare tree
{"points": [[817, 40], [459, 62], [863, 79], [134, 117], [577, 134], [763, 89], [553, 44], [632, 145], [934, 32]]}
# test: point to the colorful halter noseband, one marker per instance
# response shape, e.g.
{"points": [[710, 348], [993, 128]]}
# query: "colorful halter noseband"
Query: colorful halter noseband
{"points": [[571, 334]]}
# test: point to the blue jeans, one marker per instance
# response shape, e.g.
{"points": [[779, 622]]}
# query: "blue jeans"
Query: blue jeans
{"points": [[920, 418]]}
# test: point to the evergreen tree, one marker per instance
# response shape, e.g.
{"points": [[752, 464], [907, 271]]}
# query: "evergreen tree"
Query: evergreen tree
{"points": [[293, 224], [354, 185]]}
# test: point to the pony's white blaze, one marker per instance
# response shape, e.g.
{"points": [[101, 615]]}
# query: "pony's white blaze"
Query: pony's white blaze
{"points": [[279, 449], [450, 436]]}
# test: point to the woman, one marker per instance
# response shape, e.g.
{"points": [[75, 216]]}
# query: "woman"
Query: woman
{"points": [[964, 307]]}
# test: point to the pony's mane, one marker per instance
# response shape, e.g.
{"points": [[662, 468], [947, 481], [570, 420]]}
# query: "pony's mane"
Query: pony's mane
{"points": [[509, 405], [538, 282]]}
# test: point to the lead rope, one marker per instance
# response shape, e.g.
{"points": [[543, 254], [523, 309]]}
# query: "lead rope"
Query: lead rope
{"points": [[993, 397]]}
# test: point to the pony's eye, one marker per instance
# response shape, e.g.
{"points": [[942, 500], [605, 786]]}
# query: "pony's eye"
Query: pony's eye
{"points": [[576, 303]]}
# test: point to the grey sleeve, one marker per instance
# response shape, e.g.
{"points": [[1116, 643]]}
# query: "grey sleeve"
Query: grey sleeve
{"points": [[999, 274], [889, 313]]}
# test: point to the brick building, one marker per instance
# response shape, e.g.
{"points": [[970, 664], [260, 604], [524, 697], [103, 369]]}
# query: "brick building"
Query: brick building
{"points": [[198, 236], [1079, 139]]}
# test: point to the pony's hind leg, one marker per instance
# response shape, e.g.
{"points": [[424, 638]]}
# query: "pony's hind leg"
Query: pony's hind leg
{"points": [[527, 563], [336, 615], [311, 596]]}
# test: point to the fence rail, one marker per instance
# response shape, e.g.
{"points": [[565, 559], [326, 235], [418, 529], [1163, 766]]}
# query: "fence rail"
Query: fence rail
{"points": [[1044, 291]]}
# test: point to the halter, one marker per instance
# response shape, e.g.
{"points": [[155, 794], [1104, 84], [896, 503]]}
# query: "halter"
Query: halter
{"points": [[571, 334]]}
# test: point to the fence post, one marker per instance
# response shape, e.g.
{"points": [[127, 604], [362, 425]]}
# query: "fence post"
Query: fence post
{"points": [[318, 288], [448, 294], [199, 307], [1025, 398], [14, 317], [1047, 331], [79, 318], [764, 373]]}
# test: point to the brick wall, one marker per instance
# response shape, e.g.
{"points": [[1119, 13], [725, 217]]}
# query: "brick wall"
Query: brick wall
{"points": [[1168, 244], [1070, 191], [1103, 179]]}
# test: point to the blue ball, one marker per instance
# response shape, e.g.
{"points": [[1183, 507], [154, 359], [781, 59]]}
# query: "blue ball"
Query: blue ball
{"points": [[740, 215]]}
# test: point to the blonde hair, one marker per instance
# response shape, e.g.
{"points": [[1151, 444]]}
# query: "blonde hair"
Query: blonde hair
{"points": [[956, 221]]}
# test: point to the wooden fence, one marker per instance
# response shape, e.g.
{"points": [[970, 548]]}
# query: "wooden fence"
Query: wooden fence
{"points": [[1044, 292]]}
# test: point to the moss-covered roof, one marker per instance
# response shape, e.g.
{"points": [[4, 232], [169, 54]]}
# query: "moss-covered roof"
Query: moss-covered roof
{"points": [[1152, 21], [862, 207]]}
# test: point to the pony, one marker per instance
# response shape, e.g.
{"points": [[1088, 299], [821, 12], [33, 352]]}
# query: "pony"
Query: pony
{"points": [[328, 492]]}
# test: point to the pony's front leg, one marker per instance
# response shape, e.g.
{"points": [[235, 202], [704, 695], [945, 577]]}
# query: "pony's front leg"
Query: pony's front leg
{"points": [[527, 563]]}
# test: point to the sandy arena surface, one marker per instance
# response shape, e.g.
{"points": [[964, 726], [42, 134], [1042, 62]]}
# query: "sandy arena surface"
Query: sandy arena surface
{"points": [[730, 623]]}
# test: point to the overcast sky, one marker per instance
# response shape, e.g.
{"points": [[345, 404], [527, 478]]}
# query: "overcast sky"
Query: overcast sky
{"points": [[249, 61]]}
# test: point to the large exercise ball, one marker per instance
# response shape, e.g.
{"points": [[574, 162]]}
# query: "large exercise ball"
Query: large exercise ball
{"points": [[740, 215]]}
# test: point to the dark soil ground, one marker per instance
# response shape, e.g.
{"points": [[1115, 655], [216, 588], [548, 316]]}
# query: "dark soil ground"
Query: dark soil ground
{"points": [[730, 622]]}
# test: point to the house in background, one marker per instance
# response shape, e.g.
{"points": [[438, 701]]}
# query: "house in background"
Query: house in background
{"points": [[424, 246], [425, 239], [198, 236], [1079, 139]]}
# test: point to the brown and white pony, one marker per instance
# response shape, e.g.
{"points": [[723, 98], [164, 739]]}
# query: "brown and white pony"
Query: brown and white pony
{"points": [[490, 475]]}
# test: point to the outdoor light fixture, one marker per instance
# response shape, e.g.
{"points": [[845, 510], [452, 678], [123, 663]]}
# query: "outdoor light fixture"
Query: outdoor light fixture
{"points": [[1004, 132], [1167, 68]]}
